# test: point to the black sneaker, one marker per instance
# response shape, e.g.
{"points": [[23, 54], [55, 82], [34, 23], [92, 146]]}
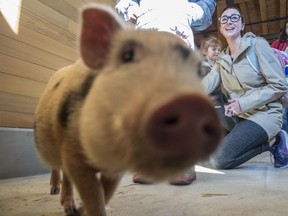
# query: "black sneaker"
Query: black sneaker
{"points": [[280, 151]]}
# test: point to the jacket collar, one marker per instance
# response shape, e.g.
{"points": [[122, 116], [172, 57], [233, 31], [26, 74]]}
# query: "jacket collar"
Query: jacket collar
{"points": [[225, 59]]}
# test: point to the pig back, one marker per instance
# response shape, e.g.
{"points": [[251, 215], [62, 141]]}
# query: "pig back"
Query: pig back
{"points": [[56, 115]]}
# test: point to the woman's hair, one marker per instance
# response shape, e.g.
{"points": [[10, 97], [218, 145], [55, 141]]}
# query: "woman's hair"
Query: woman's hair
{"points": [[210, 41], [283, 37]]}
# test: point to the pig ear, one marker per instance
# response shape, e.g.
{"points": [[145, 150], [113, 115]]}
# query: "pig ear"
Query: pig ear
{"points": [[99, 24]]}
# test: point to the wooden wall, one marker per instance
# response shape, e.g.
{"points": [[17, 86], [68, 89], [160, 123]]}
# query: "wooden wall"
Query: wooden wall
{"points": [[46, 41], [262, 17]]}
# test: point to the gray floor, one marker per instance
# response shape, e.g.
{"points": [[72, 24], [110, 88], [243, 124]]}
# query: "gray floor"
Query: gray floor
{"points": [[254, 189]]}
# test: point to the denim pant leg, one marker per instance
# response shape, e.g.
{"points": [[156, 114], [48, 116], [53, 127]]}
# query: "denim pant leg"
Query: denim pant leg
{"points": [[285, 123], [246, 140]]}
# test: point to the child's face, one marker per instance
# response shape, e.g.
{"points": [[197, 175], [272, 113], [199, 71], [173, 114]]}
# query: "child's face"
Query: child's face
{"points": [[212, 53]]}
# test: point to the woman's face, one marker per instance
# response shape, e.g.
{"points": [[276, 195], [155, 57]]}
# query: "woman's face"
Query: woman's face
{"points": [[233, 27]]}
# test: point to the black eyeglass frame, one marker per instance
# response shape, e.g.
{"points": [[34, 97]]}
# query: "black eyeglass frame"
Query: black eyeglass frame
{"points": [[229, 17]]}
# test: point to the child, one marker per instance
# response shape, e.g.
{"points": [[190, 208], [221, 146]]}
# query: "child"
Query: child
{"points": [[210, 48]]}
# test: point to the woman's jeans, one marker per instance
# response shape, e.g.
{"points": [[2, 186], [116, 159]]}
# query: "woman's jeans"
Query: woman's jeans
{"points": [[285, 120], [244, 141]]}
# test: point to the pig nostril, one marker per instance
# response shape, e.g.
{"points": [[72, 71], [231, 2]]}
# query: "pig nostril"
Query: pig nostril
{"points": [[209, 129], [171, 120]]}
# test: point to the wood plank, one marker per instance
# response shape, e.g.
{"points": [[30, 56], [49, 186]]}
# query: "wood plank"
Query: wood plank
{"points": [[15, 119], [47, 13], [63, 8], [48, 29], [220, 7], [107, 2], [24, 69], [31, 54], [263, 12], [17, 103], [246, 16], [74, 3], [20, 86], [283, 11], [40, 41]]}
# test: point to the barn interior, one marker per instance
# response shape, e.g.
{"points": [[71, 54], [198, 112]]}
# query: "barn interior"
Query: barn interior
{"points": [[38, 37]]}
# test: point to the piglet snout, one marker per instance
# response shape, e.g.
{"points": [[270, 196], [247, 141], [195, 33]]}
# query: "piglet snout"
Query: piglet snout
{"points": [[187, 124]]}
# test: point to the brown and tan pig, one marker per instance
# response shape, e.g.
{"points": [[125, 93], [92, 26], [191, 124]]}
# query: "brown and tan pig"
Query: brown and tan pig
{"points": [[133, 102]]}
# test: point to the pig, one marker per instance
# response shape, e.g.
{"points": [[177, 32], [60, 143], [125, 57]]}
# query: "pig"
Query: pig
{"points": [[133, 102]]}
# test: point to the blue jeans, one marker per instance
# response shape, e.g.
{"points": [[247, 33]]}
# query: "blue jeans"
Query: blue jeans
{"points": [[285, 118], [245, 140]]}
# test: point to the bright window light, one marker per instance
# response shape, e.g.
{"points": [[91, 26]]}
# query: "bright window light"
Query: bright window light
{"points": [[11, 10], [207, 170]]}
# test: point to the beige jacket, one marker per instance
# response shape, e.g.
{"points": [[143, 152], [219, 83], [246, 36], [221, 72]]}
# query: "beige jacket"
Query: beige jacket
{"points": [[258, 94]]}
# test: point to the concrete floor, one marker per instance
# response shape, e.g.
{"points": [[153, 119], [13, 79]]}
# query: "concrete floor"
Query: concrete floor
{"points": [[254, 189]]}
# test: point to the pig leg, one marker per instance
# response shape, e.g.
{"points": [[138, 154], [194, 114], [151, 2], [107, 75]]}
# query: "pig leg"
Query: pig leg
{"points": [[88, 186], [55, 181], [110, 183], [67, 197]]}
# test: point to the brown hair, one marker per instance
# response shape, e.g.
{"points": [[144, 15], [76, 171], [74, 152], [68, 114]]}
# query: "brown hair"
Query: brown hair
{"points": [[236, 8]]}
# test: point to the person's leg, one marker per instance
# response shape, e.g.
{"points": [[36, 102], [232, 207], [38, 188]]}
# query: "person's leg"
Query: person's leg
{"points": [[285, 124], [246, 140], [227, 123], [279, 150]]}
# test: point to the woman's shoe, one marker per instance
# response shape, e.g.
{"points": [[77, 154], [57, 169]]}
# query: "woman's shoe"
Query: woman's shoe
{"points": [[185, 179]]}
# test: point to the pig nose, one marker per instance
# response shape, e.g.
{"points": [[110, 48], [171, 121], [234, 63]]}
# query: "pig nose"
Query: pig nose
{"points": [[185, 124]]}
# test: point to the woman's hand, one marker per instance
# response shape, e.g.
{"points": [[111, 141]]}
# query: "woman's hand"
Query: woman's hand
{"points": [[233, 108]]}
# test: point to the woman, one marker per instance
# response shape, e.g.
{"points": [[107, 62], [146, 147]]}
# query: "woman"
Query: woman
{"points": [[282, 42], [254, 103]]}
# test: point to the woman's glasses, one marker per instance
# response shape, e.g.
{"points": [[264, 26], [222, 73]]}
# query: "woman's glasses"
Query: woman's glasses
{"points": [[233, 18]]}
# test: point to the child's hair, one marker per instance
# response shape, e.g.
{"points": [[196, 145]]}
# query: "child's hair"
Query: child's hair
{"points": [[210, 41]]}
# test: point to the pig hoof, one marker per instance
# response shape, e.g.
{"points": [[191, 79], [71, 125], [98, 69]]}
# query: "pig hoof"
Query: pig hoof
{"points": [[72, 211], [81, 211], [54, 190]]}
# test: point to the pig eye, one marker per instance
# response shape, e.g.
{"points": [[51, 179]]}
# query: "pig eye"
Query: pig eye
{"points": [[128, 55], [129, 51]]}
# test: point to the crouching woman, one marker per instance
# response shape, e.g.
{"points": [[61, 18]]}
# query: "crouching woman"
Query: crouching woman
{"points": [[254, 97]]}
